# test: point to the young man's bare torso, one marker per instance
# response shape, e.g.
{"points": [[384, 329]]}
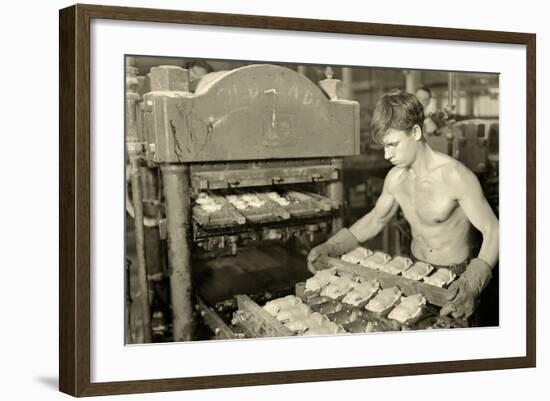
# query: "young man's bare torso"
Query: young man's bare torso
{"points": [[440, 229]]}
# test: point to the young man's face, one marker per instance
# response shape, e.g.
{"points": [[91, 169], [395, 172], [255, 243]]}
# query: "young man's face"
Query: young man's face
{"points": [[400, 147]]}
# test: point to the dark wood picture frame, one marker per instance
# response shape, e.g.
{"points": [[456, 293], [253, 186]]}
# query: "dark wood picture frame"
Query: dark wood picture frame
{"points": [[74, 199]]}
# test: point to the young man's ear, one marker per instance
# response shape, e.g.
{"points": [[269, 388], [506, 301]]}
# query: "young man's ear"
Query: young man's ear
{"points": [[417, 132]]}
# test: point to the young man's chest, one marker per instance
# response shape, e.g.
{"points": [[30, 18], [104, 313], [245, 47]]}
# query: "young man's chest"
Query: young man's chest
{"points": [[427, 200]]}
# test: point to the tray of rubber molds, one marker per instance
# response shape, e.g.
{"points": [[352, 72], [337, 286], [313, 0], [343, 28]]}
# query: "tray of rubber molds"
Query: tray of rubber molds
{"points": [[331, 299], [310, 313], [222, 209], [256, 321], [256, 207], [362, 306], [302, 204], [281, 317], [212, 210], [410, 278]]}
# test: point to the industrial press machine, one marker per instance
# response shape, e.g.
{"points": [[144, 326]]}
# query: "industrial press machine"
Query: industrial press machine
{"points": [[262, 134]]}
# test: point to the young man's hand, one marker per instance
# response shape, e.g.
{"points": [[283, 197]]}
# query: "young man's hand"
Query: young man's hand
{"points": [[466, 290], [317, 256], [341, 242]]}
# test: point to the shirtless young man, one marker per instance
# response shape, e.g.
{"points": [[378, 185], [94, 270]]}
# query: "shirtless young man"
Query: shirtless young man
{"points": [[440, 198]]}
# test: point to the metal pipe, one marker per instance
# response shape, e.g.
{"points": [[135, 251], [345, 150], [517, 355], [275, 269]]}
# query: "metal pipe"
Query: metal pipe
{"points": [[151, 209], [140, 249], [134, 154], [457, 94], [128, 305], [412, 81], [450, 145], [178, 217], [451, 110], [347, 83], [335, 191], [450, 91]]}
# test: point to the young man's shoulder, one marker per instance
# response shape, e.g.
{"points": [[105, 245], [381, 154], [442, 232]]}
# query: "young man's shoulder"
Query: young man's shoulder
{"points": [[395, 176], [449, 165], [455, 173]]}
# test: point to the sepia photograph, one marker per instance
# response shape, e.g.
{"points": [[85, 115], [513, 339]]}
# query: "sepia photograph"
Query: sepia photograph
{"points": [[275, 200]]}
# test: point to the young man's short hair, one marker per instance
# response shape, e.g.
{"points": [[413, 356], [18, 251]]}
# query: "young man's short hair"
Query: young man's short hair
{"points": [[396, 109]]}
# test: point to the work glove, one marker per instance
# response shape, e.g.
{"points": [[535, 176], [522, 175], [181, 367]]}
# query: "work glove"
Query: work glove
{"points": [[466, 289], [341, 242]]}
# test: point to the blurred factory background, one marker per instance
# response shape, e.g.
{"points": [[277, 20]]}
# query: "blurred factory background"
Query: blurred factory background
{"points": [[462, 120]]}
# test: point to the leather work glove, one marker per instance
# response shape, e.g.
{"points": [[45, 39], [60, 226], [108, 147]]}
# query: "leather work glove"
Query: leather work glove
{"points": [[466, 289], [341, 242]]}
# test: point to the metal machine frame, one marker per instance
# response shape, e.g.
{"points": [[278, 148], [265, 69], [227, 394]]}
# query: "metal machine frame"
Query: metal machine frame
{"points": [[255, 126]]}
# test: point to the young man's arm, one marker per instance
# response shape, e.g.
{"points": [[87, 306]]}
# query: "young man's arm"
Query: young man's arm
{"points": [[385, 208], [471, 283], [365, 228], [472, 201]]}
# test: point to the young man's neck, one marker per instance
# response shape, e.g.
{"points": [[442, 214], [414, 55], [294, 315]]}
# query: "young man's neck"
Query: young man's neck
{"points": [[423, 159]]}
